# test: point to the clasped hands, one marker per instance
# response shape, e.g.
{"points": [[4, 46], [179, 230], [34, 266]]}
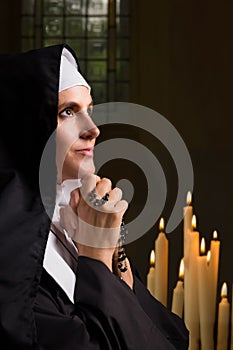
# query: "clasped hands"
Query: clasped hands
{"points": [[95, 230]]}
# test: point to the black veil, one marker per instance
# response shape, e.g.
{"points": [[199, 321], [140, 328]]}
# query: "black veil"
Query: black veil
{"points": [[29, 96]]}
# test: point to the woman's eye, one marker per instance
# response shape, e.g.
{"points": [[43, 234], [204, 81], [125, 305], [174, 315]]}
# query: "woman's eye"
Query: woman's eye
{"points": [[67, 113]]}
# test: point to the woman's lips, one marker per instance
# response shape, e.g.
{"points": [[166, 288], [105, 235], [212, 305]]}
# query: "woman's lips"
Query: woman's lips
{"points": [[86, 151]]}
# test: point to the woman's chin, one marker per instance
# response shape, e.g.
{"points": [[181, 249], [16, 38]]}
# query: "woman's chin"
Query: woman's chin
{"points": [[86, 167]]}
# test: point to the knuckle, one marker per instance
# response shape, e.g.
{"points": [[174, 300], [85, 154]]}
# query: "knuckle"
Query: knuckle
{"points": [[107, 181], [118, 191]]}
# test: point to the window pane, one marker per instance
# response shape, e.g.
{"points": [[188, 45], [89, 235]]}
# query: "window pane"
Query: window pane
{"points": [[27, 44], [27, 26], [122, 26], [78, 45], [99, 92], [122, 70], [97, 26], [75, 7], [123, 48], [53, 26], [83, 24], [98, 7], [122, 7], [28, 7], [97, 48], [53, 7], [75, 26], [49, 42], [97, 70], [82, 65]]}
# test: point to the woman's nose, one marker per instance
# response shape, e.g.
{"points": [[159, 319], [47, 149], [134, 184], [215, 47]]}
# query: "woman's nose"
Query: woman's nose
{"points": [[92, 133]]}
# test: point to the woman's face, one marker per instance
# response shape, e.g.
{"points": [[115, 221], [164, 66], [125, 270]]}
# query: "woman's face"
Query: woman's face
{"points": [[76, 134]]}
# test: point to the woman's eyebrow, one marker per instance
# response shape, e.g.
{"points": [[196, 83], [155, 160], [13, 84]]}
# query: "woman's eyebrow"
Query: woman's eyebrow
{"points": [[72, 104]]}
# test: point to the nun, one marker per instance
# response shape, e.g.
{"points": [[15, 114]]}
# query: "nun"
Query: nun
{"points": [[65, 279]]}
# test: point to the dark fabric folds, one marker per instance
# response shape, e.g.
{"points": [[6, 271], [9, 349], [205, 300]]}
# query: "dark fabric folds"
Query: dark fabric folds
{"points": [[28, 95], [35, 313], [107, 314]]}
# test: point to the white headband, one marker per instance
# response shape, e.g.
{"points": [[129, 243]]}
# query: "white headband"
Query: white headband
{"points": [[69, 74]]}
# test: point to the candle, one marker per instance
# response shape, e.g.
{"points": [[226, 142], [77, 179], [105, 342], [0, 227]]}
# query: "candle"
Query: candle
{"points": [[151, 274], [188, 213], [178, 293], [205, 302], [214, 268], [208, 256], [232, 317], [223, 320], [191, 306], [161, 273]]}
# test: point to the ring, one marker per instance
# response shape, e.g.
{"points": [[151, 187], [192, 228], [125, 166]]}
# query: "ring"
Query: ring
{"points": [[92, 198]]}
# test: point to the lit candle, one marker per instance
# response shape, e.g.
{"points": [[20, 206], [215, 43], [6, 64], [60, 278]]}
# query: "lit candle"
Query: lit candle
{"points": [[223, 320], [161, 272], [151, 274], [214, 268], [188, 213], [191, 306], [178, 293], [205, 302]]}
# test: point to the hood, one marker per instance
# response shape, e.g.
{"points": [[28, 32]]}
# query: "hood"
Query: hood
{"points": [[29, 95]]}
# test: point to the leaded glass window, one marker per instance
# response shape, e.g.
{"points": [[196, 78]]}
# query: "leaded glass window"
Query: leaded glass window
{"points": [[98, 30]]}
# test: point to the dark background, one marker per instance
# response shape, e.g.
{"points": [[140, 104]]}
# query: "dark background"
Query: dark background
{"points": [[181, 66]]}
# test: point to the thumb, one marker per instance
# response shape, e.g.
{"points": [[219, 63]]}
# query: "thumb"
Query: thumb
{"points": [[74, 199]]}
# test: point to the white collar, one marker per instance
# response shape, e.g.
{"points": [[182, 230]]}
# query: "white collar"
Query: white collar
{"points": [[57, 261]]}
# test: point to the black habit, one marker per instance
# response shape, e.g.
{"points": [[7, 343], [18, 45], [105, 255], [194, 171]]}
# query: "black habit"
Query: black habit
{"points": [[35, 312]]}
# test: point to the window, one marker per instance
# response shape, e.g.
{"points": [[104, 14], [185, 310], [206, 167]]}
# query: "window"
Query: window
{"points": [[98, 31]]}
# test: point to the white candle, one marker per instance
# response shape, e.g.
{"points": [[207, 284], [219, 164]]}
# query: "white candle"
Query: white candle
{"points": [[205, 301], [151, 274], [214, 268], [223, 320], [188, 214], [161, 272], [191, 306], [178, 293]]}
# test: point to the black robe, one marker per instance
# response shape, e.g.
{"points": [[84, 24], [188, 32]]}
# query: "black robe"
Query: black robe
{"points": [[35, 313]]}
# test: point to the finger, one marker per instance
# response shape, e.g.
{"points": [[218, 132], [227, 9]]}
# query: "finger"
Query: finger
{"points": [[103, 186], [121, 206], [97, 178], [87, 178], [88, 184], [115, 195], [74, 199]]}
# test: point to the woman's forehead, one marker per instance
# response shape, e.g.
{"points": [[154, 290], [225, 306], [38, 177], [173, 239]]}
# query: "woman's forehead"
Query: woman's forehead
{"points": [[78, 94]]}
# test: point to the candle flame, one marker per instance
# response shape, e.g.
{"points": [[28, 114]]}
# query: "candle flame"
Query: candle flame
{"points": [[202, 245], [215, 235], [224, 290], [161, 224], [208, 257], [152, 258], [194, 222], [189, 198], [181, 269]]}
